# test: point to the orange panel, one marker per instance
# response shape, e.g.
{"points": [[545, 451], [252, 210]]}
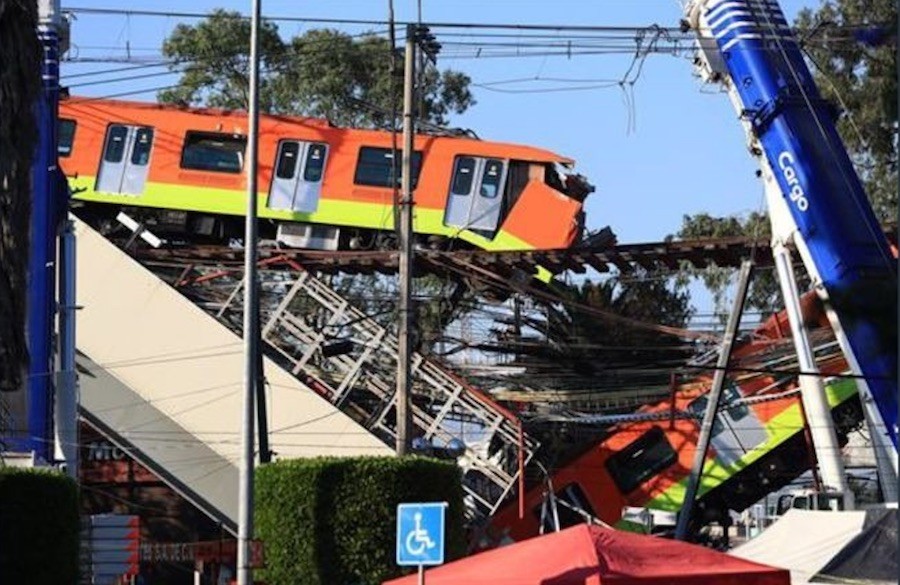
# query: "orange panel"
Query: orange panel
{"points": [[543, 218]]}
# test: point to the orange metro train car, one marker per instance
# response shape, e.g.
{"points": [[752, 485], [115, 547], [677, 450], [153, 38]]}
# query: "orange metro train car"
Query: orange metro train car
{"points": [[757, 445], [321, 186]]}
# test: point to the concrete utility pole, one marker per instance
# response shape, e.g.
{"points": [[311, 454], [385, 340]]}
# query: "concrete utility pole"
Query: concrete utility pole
{"points": [[251, 316], [66, 403], [712, 404], [404, 349]]}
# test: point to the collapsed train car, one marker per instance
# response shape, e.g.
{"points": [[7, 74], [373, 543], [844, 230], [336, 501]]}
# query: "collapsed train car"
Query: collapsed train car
{"points": [[758, 443]]}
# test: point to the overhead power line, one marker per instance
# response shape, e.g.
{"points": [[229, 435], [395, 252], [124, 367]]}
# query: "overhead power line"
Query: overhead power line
{"points": [[853, 31], [369, 22], [118, 69]]}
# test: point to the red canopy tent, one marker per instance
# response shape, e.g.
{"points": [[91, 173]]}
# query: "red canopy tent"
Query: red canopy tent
{"points": [[591, 555]]}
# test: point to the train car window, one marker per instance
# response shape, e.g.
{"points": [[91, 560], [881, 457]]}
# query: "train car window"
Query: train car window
{"points": [[374, 168], [732, 396], [143, 141], [552, 178], [517, 180], [286, 167], [115, 144], [698, 408], [315, 163], [490, 179], [641, 460], [211, 151], [569, 497], [66, 137], [463, 176]]}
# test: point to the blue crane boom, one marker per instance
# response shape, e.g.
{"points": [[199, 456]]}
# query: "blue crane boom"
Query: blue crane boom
{"points": [[749, 44]]}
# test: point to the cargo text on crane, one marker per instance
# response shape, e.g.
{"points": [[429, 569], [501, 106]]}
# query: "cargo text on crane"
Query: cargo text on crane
{"points": [[796, 194]]}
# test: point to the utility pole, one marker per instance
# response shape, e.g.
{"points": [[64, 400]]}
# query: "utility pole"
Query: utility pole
{"points": [[417, 37], [712, 404], [404, 349], [251, 316], [66, 404]]}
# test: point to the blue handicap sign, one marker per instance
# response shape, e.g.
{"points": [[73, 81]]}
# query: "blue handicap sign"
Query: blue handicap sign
{"points": [[420, 534]]}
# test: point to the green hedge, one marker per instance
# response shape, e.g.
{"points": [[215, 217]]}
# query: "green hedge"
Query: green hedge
{"points": [[333, 520], [39, 527]]}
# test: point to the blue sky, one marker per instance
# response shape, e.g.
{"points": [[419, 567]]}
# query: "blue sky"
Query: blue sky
{"points": [[671, 147]]}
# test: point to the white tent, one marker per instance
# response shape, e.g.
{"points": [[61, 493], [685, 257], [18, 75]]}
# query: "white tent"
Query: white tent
{"points": [[803, 541]]}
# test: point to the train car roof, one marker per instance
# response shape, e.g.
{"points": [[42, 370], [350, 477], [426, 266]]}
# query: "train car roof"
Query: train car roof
{"points": [[524, 152]]}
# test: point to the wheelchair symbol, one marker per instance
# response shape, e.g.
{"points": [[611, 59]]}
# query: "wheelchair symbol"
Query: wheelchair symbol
{"points": [[418, 541]]}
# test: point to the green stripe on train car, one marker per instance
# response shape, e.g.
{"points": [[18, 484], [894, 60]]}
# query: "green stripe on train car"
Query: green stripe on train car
{"points": [[780, 428], [331, 212]]}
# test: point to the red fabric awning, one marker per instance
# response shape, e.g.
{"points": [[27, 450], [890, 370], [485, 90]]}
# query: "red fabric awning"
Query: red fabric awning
{"points": [[592, 555]]}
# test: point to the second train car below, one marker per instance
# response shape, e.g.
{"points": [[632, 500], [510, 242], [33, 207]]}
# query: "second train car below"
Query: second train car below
{"points": [[321, 186], [758, 445]]}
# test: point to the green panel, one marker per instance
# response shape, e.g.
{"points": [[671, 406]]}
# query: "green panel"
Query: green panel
{"points": [[330, 211], [780, 428]]}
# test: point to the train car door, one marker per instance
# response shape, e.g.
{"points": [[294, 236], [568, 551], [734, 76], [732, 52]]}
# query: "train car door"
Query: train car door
{"points": [[736, 431], [297, 181], [746, 428], [126, 159], [476, 194]]}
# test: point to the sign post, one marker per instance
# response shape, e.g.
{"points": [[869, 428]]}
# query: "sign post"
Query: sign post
{"points": [[114, 542], [420, 535]]}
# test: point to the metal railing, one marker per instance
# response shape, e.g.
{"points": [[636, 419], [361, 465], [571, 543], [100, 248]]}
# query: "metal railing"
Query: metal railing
{"points": [[351, 360]]}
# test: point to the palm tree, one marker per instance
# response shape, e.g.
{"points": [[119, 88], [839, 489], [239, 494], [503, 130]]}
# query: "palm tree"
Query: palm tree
{"points": [[20, 85]]}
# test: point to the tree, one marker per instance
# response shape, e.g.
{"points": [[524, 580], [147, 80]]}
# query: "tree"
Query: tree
{"points": [[764, 293], [640, 297], [322, 73], [583, 347], [20, 84], [851, 46], [212, 58]]}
